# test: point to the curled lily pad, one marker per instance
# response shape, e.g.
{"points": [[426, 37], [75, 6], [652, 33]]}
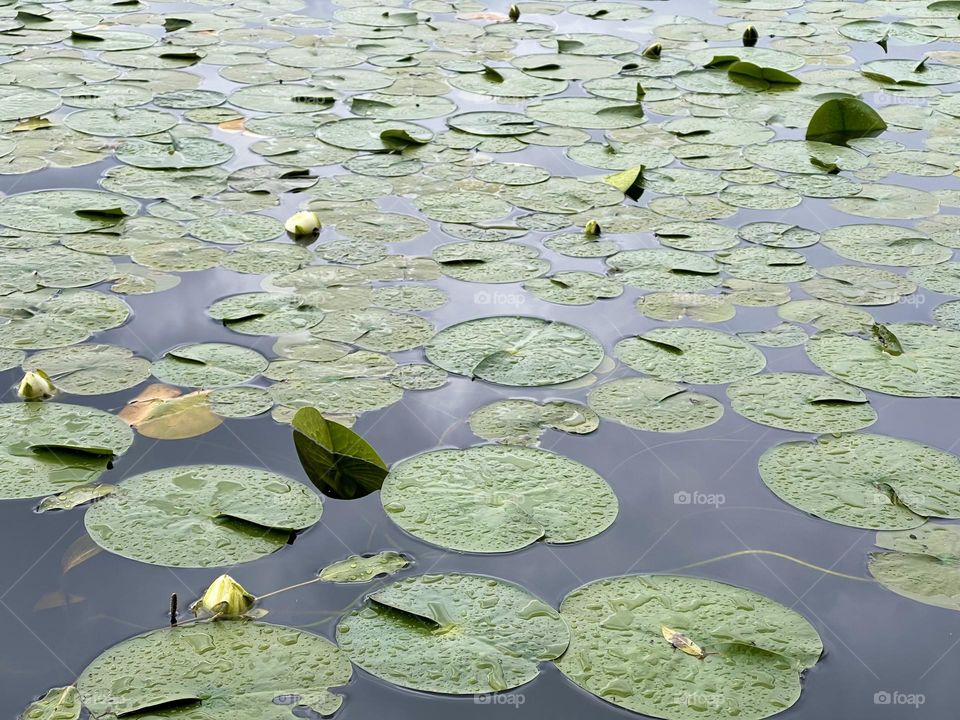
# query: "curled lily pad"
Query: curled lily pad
{"points": [[454, 633], [801, 402], [693, 355], [864, 480], [251, 666], [337, 460], [202, 515], [495, 498], [922, 360], [523, 422], [364, 568], [515, 350], [51, 447], [752, 650], [920, 564], [654, 405], [209, 365]]}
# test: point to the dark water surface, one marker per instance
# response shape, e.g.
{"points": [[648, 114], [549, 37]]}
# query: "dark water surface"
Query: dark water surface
{"points": [[875, 641]]}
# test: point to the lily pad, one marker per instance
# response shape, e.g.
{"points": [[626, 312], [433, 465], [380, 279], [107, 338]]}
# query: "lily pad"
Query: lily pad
{"points": [[51, 447], [921, 564], [864, 480], [90, 369], [515, 350], [202, 515], [924, 363], [364, 568], [801, 402], [496, 498], [692, 355], [752, 650], [209, 365], [523, 422], [252, 665], [654, 405], [455, 633]]}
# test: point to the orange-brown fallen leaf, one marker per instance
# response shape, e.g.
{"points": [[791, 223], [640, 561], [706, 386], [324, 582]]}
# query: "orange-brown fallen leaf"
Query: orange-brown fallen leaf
{"points": [[163, 413]]}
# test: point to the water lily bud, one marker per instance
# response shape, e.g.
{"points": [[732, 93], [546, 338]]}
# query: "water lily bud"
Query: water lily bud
{"points": [[303, 223], [513, 13], [592, 228], [653, 51], [36, 385], [225, 598], [750, 36]]}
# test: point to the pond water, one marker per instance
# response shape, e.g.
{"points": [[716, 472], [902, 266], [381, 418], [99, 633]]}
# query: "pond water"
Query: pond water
{"points": [[689, 502]]}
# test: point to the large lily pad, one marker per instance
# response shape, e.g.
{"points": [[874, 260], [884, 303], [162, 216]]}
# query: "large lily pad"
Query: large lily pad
{"points": [[51, 447], [90, 369], [752, 650], [693, 355], [515, 350], [801, 402], [248, 670], [522, 422], [209, 365], [454, 633], [494, 498], [863, 480], [654, 405], [921, 361], [202, 515]]}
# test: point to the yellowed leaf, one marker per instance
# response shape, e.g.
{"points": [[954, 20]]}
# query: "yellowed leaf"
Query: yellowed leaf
{"points": [[34, 123], [232, 125], [161, 412], [681, 642]]}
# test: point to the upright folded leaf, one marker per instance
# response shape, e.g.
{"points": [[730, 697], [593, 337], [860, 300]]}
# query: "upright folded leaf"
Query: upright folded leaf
{"points": [[842, 119]]}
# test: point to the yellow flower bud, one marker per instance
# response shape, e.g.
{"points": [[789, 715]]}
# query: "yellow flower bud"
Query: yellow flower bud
{"points": [[592, 228], [653, 51], [303, 223], [36, 385], [513, 13], [225, 598]]}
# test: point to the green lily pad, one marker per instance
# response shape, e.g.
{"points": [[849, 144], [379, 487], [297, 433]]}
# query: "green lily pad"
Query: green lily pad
{"points": [[668, 270], [885, 245], [209, 365], [779, 336], [692, 355], [576, 287], [515, 350], [364, 568], [857, 285], [251, 665], [497, 498], [500, 262], [338, 462], [801, 402], [864, 480], [523, 422], [841, 119], [90, 369], [262, 313], [752, 650], [923, 363], [454, 633], [672, 306], [202, 515], [921, 564], [51, 447], [46, 319], [654, 405], [65, 211]]}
